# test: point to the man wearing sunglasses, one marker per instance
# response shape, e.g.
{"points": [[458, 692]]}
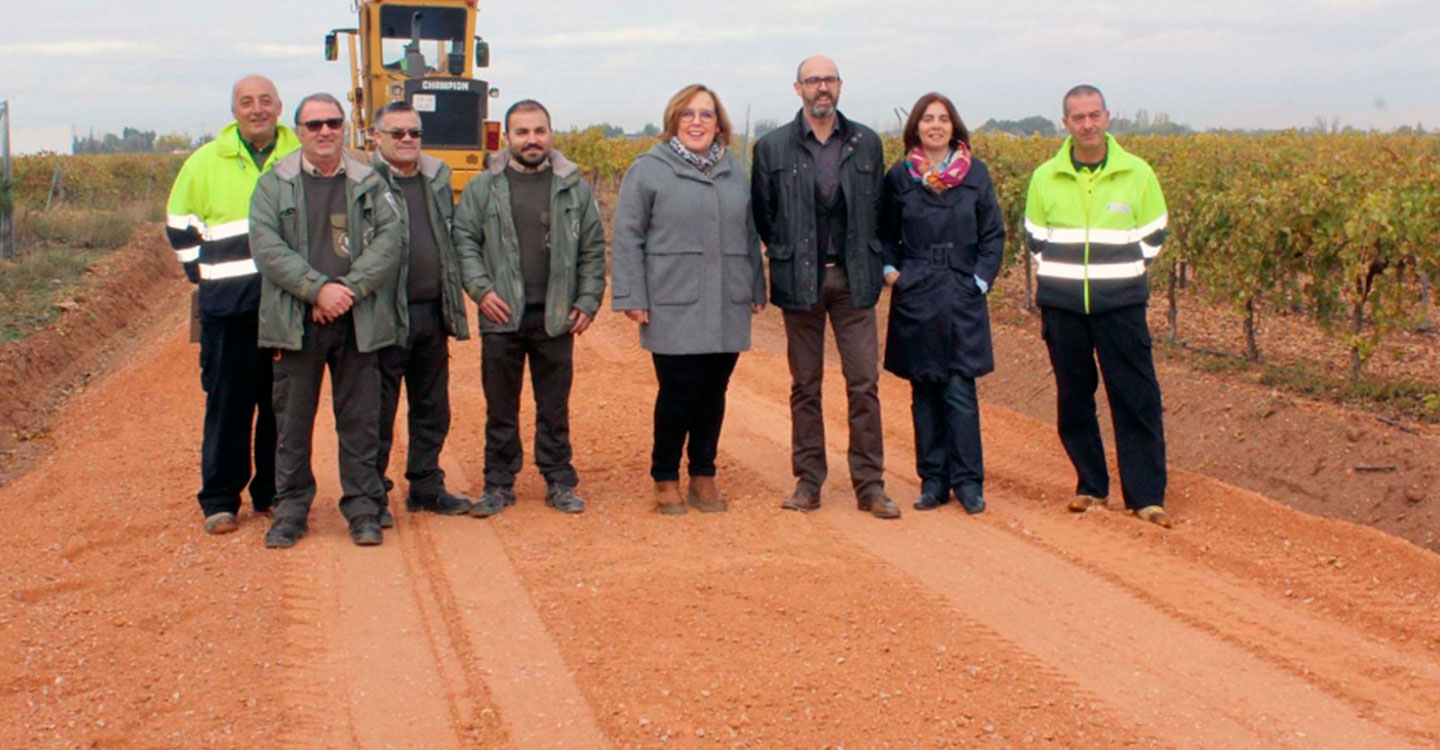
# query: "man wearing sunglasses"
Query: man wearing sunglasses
{"points": [[434, 311], [532, 251], [209, 228], [815, 193], [325, 233]]}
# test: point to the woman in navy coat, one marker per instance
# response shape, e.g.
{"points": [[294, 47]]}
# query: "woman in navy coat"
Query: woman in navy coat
{"points": [[944, 238]]}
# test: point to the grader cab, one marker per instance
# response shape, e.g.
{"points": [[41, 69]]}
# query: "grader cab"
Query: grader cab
{"points": [[421, 52]]}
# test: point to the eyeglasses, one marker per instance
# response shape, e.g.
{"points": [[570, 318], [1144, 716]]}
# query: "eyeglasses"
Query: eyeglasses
{"points": [[334, 123], [815, 81], [398, 133], [703, 115]]}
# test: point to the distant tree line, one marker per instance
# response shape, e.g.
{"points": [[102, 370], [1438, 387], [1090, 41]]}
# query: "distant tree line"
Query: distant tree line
{"points": [[136, 141]]}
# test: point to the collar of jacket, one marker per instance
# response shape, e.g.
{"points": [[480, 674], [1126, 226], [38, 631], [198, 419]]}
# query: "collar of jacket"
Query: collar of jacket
{"points": [[682, 168], [355, 170], [843, 128], [429, 167], [559, 165], [1117, 159], [228, 142]]}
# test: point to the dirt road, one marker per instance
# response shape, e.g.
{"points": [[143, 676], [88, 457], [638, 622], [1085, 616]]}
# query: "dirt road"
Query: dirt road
{"points": [[1250, 625]]}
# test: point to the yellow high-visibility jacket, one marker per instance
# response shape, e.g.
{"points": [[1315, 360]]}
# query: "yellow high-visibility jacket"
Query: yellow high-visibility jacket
{"points": [[208, 222], [1093, 234]]}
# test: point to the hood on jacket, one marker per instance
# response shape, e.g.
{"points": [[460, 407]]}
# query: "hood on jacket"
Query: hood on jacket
{"points": [[288, 168], [561, 166]]}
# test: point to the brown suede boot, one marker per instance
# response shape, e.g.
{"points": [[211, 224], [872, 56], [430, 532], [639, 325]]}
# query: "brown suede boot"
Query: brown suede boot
{"points": [[705, 496], [667, 498]]}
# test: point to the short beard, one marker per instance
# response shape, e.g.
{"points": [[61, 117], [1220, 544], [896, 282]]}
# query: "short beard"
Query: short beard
{"points": [[821, 110], [520, 157]]}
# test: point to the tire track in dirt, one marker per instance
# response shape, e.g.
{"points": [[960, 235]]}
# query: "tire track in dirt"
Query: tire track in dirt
{"points": [[365, 645], [496, 624], [747, 630], [1043, 583]]}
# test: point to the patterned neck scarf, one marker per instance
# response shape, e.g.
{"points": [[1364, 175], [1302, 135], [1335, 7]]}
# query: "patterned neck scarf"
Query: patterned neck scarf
{"points": [[943, 177], [703, 163]]}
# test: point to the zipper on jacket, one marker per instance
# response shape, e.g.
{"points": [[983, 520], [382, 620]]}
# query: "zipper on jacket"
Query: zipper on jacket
{"points": [[1085, 276]]}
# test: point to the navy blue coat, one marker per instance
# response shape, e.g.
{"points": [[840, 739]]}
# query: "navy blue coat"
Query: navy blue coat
{"points": [[939, 322]]}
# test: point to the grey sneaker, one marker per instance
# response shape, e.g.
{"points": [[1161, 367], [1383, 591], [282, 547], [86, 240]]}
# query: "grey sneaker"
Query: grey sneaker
{"points": [[563, 498], [220, 523], [492, 501]]}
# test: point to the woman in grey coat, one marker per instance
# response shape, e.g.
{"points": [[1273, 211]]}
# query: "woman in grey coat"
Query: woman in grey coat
{"points": [[686, 267]]}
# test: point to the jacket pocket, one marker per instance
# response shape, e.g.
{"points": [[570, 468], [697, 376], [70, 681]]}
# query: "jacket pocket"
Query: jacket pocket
{"points": [[781, 252], [673, 276], [964, 260], [739, 275]]}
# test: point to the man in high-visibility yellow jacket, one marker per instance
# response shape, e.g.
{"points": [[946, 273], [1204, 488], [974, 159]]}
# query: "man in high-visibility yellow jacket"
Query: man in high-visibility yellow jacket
{"points": [[1096, 218], [208, 226]]}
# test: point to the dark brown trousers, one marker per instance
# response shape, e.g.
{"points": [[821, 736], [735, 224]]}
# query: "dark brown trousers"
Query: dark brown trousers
{"points": [[858, 342]]}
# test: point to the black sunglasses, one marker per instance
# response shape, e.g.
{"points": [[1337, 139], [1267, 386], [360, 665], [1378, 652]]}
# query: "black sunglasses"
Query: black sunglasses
{"points": [[334, 123], [397, 134]]}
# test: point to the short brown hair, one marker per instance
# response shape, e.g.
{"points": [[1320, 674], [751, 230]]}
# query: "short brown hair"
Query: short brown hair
{"points": [[912, 126], [682, 98]]}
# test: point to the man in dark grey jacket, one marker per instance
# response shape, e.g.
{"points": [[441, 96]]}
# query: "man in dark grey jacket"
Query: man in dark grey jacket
{"points": [[434, 311], [815, 191], [532, 255]]}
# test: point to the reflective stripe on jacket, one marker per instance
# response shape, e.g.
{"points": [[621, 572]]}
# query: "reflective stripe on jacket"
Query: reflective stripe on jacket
{"points": [[1093, 234], [208, 221]]}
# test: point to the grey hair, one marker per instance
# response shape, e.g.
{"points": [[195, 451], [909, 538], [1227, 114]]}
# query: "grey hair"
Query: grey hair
{"points": [[318, 97], [1083, 89]]}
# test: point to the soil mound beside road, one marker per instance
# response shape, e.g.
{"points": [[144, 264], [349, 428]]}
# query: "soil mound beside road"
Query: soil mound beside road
{"points": [[116, 297]]}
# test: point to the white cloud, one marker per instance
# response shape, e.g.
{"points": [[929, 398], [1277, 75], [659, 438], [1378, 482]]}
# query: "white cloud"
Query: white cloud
{"points": [[669, 35], [80, 48]]}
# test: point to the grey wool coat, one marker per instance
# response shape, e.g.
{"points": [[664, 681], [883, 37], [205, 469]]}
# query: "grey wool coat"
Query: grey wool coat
{"points": [[685, 248]]}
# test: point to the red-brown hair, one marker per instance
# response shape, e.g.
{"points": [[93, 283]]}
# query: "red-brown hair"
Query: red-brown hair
{"points": [[682, 98]]}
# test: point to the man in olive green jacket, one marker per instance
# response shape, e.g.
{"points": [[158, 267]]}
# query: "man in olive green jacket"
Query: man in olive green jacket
{"points": [[434, 311], [325, 233], [532, 255]]}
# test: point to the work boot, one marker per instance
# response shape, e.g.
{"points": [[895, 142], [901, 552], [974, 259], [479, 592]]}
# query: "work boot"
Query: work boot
{"points": [[492, 501], [562, 497], [365, 530], [667, 498], [285, 532], [704, 496], [445, 504]]}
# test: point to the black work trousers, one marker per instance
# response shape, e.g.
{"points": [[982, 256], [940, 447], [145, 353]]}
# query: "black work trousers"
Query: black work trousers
{"points": [[355, 398], [236, 377], [1121, 340], [948, 456], [423, 363], [690, 404], [502, 373]]}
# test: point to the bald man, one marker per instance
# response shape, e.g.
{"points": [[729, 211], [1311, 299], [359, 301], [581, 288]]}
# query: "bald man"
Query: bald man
{"points": [[815, 191], [208, 226]]}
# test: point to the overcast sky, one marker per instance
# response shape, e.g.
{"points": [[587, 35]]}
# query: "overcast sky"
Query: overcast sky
{"points": [[167, 65]]}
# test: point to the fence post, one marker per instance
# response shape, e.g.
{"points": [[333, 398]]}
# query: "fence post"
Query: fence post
{"points": [[57, 187], [7, 187]]}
